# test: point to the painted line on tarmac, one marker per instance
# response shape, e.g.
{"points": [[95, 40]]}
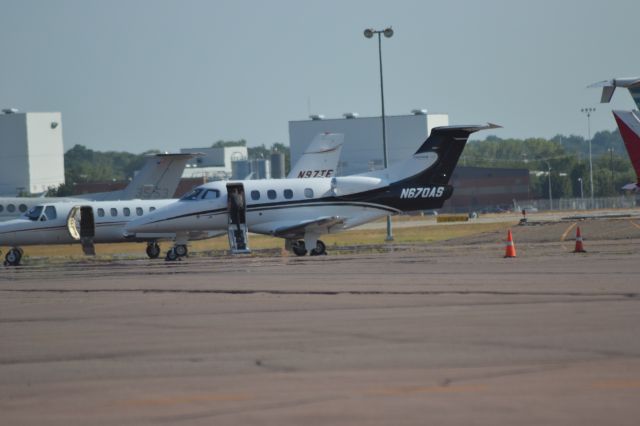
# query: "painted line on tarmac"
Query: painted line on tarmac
{"points": [[628, 295], [412, 390], [565, 233], [185, 399], [617, 384]]}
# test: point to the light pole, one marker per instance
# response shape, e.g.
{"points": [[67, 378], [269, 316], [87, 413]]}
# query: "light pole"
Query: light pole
{"points": [[613, 185], [588, 111], [388, 32], [581, 193], [549, 173]]}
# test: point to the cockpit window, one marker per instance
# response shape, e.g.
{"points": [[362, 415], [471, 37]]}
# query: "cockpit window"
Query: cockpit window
{"points": [[193, 195], [211, 194], [35, 212], [50, 211]]}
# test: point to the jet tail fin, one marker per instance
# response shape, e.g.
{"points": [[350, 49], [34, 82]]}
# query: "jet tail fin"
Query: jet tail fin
{"points": [[158, 178], [448, 143], [321, 157], [629, 126]]}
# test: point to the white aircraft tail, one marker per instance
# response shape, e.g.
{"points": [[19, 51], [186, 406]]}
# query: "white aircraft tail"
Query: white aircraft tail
{"points": [[158, 179], [321, 157]]}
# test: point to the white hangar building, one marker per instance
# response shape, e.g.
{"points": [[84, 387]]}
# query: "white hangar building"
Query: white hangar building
{"points": [[32, 158], [362, 150], [213, 163]]}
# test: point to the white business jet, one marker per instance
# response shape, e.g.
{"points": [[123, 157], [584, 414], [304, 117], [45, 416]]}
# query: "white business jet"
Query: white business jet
{"points": [[89, 222], [157, 179], [301, 210]]}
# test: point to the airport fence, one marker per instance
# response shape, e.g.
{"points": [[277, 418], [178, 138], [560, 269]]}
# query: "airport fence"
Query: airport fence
{"points": [[620, 202]]}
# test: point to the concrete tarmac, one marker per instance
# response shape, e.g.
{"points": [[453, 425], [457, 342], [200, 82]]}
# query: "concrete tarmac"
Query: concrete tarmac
{"points": [[435, 334]]}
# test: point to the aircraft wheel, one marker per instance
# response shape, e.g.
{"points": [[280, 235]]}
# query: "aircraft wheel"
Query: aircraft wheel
{"points": [[153, 250], [13, 257], [298, 248], [181, 250], [171, 255], [320, 249]]}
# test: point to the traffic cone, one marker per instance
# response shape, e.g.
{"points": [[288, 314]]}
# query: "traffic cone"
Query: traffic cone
{"points": [[510, 248], [579, 247]]}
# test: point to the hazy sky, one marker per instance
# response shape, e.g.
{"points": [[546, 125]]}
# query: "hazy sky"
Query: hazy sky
{"points": [[137, 75]]}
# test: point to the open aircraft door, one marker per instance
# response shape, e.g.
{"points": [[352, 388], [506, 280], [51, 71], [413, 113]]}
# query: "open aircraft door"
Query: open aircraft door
{"points": [[82, 227], [237, 210]]}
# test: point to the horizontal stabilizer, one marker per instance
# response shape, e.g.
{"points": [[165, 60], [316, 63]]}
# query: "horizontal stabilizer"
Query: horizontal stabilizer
{"points": [[440, 135], [609, 87]]}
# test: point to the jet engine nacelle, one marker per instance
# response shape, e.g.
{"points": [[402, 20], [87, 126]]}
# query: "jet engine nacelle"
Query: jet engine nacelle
{"points": [[350, 184]]}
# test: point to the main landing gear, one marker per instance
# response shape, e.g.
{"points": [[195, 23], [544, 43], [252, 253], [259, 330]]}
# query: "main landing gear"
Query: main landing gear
{"points": [[176, 252], [298, 247], [13, 257], [153, 250]]}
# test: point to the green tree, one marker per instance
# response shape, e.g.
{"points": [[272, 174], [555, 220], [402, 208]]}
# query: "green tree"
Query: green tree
{"points": [[221, 143]]}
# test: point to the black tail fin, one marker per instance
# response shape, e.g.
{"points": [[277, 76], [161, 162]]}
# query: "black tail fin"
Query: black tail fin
{"points": [[448, 143]]}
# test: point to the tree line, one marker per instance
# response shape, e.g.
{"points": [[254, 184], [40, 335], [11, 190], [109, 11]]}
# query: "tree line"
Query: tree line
{"points": [[567, 157]]}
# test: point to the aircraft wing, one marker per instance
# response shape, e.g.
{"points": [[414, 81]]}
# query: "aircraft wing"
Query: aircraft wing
{"points": [[321, 225]]}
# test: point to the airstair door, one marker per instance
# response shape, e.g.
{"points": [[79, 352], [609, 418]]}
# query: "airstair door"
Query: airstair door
{"points": [[237, 209], [81, 226]]}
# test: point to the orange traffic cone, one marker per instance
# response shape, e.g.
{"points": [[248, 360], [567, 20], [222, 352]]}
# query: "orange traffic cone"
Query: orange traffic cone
{"points": [[579, 247], [510, 248]]}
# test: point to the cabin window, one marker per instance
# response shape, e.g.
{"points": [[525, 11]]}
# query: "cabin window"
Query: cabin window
{"points": [[193, 195], [22, 208], [151, 209], [1, 207], [308, 192], [114, 212], [139, 211], [11, 208], [255, 195], [35, 212], [211, 194], [51, 213], [288, 194], [100, 212], [271, 194], [126, 211]]}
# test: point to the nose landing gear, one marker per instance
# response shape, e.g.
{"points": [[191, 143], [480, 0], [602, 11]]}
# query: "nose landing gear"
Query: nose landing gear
{"points": [[13, 257]]}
